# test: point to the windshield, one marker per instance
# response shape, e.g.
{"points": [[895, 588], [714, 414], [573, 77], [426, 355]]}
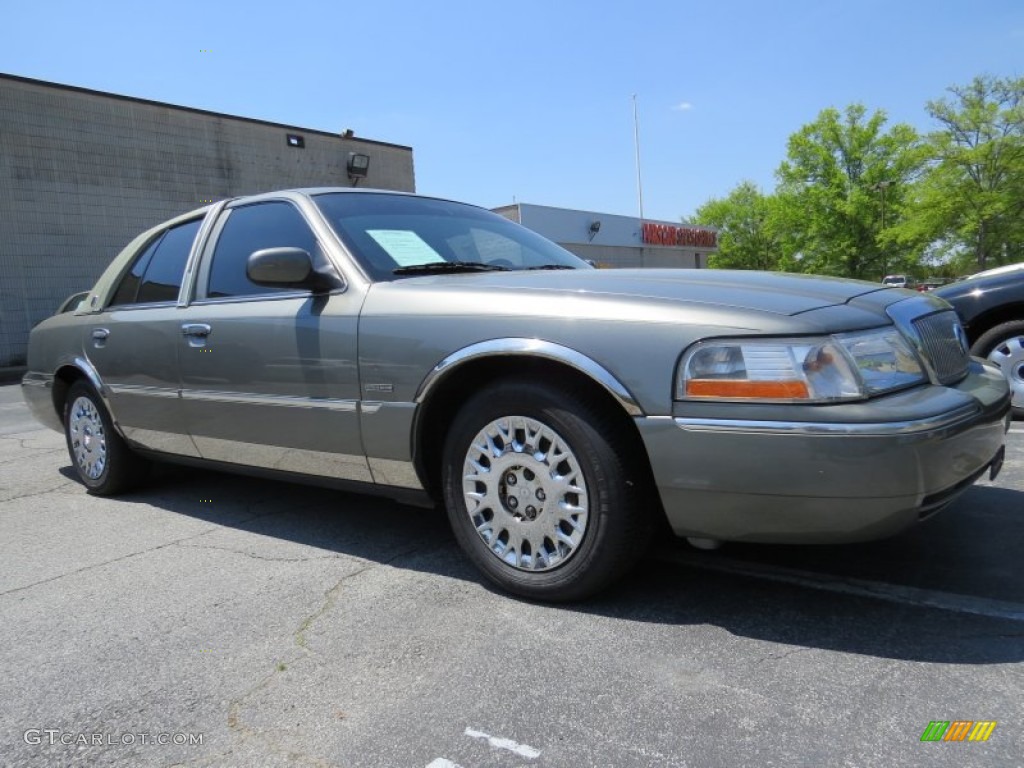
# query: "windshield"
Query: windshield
{"points": [[399, 236]]}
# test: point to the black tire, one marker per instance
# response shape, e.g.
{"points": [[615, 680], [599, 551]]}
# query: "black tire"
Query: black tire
{"points": [[1006, 338], [105, 464], [618, 520]]}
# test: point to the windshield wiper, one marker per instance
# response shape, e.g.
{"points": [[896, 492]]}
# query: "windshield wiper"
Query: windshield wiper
{"points": [[551, 266], [447, 266]]}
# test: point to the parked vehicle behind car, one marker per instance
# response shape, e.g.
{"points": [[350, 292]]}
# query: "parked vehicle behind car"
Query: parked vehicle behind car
{"points": [[437, 352], [991, 306], [896, 281]]}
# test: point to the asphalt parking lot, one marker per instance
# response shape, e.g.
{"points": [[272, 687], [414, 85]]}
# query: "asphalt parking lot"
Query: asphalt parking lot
{"points": [[211, 620]]}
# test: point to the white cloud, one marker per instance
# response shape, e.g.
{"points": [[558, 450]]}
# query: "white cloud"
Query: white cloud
{"points": [[682, 106]]}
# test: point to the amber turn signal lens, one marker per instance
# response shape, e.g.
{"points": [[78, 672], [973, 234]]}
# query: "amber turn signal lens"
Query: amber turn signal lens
{"points": [[742, 388]]}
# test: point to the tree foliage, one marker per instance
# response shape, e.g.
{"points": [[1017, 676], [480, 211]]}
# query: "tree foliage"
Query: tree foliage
{"points": [[747, 229], [858, 198], [843, 187], [972, 198]]}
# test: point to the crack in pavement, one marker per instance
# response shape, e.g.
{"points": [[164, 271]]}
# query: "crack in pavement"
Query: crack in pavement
{"points": [[21, 441], [299, 637], [213, 527], [63, 484], [267, 558], [37, 452], [781, 656]]}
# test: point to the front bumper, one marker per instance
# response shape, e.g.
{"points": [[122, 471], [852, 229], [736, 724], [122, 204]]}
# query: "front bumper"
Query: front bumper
{"points": [[858, 472]]}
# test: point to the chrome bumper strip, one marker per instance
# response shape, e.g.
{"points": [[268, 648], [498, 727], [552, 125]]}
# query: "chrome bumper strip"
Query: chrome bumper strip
{"points": [[824, 429]]}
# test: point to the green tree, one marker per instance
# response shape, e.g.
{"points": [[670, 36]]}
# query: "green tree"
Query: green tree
{"points": [[747, 229], [842, 193], [971, 201]]}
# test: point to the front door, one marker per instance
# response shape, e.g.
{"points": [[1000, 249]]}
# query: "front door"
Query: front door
{"points": [[269, 376]]}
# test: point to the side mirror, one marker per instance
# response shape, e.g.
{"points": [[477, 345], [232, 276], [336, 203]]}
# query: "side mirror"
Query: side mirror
{"points": [[280, 267], [291, 268]]}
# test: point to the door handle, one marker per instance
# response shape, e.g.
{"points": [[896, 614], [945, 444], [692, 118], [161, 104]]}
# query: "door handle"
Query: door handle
{"points": [[195, 329]]}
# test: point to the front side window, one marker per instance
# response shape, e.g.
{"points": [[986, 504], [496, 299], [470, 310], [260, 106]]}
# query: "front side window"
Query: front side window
{"points": [[249, 229], [156, 274], [396, 236]]}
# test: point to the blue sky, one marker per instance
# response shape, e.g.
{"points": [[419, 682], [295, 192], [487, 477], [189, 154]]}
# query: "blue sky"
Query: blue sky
{"points": [[532, 100]]}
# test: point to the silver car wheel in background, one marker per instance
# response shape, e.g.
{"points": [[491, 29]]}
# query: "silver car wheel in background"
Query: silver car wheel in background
{"points": [[88, 438], [525, 493], [1008, 354]]}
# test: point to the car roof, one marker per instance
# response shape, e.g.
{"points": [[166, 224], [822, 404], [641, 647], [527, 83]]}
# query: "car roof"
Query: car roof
{"points": [[313, 191]]}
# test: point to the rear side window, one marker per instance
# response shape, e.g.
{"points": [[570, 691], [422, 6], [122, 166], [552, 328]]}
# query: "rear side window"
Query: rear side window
{"points": [[157, 272], [252, 228]]}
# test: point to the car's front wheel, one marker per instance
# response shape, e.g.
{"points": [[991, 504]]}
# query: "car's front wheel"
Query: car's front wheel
{"points": [[1004, 346], [102, 460], [543, 492]]}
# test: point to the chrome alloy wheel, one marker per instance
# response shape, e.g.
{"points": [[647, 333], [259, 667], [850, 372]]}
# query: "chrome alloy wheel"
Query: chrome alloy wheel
{"points": [[88, 438], [1008, 354], [525, 493]]}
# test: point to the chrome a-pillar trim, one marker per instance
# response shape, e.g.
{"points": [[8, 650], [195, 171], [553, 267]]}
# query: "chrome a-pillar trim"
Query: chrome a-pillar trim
{"points": [[826, 429], [532, 348]]}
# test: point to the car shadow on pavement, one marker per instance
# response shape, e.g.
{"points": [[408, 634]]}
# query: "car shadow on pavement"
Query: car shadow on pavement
{"points": [[972, 551]]}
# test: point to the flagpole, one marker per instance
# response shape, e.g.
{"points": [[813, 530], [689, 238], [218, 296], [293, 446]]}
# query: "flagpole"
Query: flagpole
{"points": [[636, 144]]}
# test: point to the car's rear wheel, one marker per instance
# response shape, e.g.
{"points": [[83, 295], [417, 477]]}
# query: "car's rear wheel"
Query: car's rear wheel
{"points": [[543, 493], [102, 460], [1004, 346]]}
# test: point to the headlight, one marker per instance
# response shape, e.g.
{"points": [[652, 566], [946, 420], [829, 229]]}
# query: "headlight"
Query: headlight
{"points": [[849, 366]]}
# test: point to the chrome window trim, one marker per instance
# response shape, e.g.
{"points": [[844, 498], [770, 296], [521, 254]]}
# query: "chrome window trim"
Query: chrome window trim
{"points": [[303, 294], [188, 281], [532, 348], [135, 307], [825, 429], [205, 258]]}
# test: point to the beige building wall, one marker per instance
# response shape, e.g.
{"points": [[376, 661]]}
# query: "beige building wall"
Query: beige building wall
{"points": [[82, 172]]}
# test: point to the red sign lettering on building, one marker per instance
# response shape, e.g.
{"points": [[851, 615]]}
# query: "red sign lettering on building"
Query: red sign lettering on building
{"points": [[666, 234]]}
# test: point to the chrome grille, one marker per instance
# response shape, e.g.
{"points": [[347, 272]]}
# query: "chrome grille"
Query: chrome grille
{"points": [[945, 345]]}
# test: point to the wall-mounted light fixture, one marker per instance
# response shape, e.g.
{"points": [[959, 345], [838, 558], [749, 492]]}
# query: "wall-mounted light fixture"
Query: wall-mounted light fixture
{"points": [[295, 140], [595, 227], [358, 167]]}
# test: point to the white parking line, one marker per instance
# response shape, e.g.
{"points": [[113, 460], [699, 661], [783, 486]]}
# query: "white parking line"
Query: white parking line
{"points": [[442, 762], [523, 750], [893, 593]]}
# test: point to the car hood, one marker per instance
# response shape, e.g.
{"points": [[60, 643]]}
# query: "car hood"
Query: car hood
{"points": [[772, 292]]}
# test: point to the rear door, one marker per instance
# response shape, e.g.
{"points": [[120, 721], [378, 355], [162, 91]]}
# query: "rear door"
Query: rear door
{"points": [[269, 375], [133, 343]]}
